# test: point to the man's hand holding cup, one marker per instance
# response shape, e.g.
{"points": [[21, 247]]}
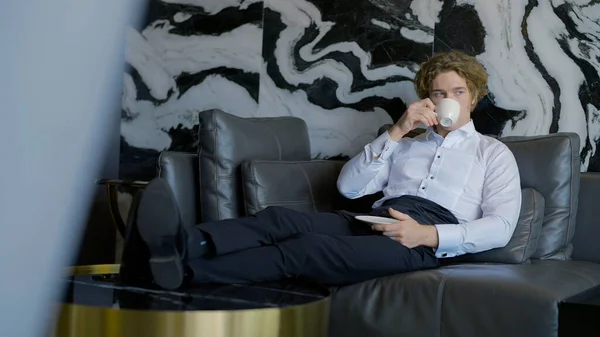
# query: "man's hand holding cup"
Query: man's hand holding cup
{"points": [[419, 112]]}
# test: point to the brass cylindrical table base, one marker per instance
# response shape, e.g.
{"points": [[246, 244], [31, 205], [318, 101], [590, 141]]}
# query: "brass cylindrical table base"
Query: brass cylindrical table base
{"points": [[153, 315]]}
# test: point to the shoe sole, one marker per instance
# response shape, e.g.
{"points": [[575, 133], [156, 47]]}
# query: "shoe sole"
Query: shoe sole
{"points": [[158, 224]]}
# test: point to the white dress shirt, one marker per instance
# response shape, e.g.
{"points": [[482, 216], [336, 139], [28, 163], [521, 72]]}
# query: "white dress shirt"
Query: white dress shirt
{"points": [[474, 176]]}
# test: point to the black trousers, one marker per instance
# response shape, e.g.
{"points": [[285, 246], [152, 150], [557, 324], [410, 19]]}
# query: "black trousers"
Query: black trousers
{"points": [[329, 248]]}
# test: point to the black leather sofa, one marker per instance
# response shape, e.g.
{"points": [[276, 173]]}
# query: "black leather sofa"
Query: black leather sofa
{"points": [[246, 164]]}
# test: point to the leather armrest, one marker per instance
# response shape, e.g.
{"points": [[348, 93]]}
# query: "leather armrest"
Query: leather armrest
{"points": [[180, 170], [587, 232]]}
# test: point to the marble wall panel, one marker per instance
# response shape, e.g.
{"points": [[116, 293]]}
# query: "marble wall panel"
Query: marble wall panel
{"points": [[345, 68], [542, 57], [189, 56]]}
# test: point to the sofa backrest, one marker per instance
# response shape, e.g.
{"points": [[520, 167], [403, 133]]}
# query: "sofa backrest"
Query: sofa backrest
{"points": [[225, 141], [551, 165]]}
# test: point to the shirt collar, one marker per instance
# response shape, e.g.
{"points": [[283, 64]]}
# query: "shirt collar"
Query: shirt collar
{"points": [[464, 131]]}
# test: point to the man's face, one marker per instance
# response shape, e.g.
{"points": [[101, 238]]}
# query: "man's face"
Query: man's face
{"points": [[451, 85]]}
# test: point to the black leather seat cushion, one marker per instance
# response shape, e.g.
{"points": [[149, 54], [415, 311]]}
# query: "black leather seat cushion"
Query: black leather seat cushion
{"points": [[486, 299]]}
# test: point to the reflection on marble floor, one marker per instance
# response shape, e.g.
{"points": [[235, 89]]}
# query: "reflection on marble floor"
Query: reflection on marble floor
{"points": [[106, 291], [345, 68]]}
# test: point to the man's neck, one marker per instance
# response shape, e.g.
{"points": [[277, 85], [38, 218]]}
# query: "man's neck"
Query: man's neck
{"points": [[441, 131]]}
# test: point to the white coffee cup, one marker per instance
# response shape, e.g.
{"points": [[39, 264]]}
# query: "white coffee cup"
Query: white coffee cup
{"points": [[448, 110]]}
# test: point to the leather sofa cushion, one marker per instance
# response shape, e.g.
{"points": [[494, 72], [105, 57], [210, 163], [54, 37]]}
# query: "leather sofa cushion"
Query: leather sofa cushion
{"points": [[523, 242], [551, 165], [306, 186], [474, 299], [225, 141]]}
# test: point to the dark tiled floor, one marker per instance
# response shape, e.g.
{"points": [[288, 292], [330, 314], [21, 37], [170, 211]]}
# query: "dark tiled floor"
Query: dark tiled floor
{"points": [[106, 291]]}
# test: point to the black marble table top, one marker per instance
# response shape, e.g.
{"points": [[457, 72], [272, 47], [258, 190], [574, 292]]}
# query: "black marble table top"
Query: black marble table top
{"points": [[106, 291]]}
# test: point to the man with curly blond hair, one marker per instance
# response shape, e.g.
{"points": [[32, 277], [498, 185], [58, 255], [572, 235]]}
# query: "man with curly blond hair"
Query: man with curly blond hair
{"points": [[447, 192]]}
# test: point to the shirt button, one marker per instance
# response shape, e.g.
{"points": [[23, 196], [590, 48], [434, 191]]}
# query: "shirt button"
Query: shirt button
{"points": [[423, 187], [431, 177], [438, 156], [444, 255]]}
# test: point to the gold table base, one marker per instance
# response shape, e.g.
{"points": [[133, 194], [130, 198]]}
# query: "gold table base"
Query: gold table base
{"points": [[74, 320]]}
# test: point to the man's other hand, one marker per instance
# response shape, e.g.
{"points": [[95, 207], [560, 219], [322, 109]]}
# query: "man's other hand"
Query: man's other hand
{"points": [[408, 232]]}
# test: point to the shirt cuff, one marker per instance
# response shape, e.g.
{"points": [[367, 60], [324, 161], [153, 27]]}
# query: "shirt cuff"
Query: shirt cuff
{"points": [[449, 240], [383, 146]]}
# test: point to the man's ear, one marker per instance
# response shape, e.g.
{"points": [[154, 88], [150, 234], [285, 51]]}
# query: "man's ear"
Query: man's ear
{"points": [[474, 101]]}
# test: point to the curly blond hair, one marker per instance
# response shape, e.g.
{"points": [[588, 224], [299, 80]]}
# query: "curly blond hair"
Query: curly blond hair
{"points": [[464, 65]]}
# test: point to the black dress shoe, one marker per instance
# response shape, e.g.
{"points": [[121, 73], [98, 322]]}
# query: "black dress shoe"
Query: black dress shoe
{"points": [[155, 243], [135, 270], [159, 226]]}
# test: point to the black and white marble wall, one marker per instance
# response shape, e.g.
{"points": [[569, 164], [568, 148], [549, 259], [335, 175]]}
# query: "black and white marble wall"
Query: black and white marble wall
{"points": [[542, 57], [345, 66], [189, 56]]}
